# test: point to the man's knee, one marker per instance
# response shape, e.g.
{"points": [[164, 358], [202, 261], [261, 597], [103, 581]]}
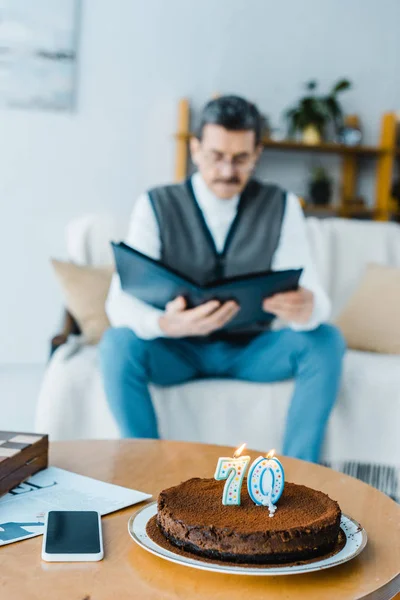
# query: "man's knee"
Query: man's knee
{"points": [[332, 338], [119, 339], [327, 340], [119, 348]]}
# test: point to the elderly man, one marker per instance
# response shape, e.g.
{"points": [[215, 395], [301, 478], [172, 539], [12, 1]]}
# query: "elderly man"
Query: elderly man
{"points": [[223, 222]]}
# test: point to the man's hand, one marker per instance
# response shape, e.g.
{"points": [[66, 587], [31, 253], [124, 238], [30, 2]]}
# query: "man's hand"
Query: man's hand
{"points": [[177, 321], [294, 307]]}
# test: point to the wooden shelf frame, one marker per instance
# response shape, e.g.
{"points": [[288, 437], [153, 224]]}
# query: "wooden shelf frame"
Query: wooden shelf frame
{"points": [[384, 154], [326, 147], [339, 210]]}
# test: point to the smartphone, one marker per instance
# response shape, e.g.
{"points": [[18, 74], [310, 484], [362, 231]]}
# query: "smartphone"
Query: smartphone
{"points": [[72, 535]]}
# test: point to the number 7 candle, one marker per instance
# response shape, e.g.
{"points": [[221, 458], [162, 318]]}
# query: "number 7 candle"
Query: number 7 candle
{"points": [[233, 470]]}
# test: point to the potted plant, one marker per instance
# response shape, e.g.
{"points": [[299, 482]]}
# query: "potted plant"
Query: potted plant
{"points": [[320, 188], [313, 113]]}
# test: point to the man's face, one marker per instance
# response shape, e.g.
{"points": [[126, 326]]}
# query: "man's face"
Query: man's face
{"points": [[225, 159]]}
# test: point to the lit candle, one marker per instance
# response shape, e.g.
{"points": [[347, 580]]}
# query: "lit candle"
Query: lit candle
{"points": [[233, 470], [266, 481]]}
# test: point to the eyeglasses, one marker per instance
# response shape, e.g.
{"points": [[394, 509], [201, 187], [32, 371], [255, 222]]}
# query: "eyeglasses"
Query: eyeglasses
{"points": [[239, 163]]}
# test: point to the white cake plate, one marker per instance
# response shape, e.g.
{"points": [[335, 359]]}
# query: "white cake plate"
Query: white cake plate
{"points": [[356, 539]]}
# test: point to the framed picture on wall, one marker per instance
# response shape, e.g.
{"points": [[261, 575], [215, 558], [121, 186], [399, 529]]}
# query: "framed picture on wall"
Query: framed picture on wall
{"points": [[38, 53]]}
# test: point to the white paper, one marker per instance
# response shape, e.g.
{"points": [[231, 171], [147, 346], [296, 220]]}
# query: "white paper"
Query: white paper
{"points": [[22, 511]]}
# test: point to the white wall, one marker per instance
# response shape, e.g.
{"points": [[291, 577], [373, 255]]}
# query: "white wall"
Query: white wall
{"points": [[19, 388], [136, 59]]}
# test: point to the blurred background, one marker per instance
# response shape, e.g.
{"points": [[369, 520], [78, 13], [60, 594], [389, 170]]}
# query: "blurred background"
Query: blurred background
{"points": [[89, 96]]}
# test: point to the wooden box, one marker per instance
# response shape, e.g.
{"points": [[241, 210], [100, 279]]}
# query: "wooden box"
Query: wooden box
{"points": [[21, 455]]}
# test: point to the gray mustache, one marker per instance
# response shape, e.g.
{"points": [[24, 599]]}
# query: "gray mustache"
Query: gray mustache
{"points": [[233, 180]]}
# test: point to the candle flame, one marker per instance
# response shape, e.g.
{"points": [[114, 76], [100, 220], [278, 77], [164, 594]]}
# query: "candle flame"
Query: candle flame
{"points": [[271, 453], [239, 451]]}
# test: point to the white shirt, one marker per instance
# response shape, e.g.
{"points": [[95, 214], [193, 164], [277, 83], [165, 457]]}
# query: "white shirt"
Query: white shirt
{"points": [[292, 252]]}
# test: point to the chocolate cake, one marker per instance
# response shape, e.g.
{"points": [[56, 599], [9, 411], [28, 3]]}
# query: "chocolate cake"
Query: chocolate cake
{"points": [[191, 516]]}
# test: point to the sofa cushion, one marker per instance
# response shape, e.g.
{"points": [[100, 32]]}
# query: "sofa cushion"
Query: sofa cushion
{"points": [[371, 318], [85, 291], [342, 248]]}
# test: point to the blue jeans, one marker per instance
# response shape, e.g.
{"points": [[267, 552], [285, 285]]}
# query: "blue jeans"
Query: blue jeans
{"points": [[312, 358]]}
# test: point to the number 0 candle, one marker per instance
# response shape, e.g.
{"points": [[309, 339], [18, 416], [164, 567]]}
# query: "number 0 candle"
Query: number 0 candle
{"points": [[266, 481], [233, 470]]}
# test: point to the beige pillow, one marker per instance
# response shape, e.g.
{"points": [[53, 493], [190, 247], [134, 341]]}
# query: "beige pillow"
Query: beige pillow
{"points": [[85, 291], [371, 318]]}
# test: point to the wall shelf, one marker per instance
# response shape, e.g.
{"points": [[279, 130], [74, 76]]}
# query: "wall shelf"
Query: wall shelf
{"points": [[339, 211], [324, 148]]}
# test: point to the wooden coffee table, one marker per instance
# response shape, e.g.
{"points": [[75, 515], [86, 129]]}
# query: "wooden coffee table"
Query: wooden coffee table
{"points": [[128, 571]]}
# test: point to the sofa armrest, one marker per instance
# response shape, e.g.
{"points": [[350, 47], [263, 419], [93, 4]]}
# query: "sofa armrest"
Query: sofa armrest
{"points": [[70, 327]]}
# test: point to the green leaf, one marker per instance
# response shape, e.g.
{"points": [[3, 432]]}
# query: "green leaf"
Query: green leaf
{"points": [[341, 86], [320, 174], [291, 130], [311, 85], [290, 112], [333, 106]]}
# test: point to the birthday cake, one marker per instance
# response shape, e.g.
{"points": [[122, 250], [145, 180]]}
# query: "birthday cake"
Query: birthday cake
{"points": [[192, 517]]}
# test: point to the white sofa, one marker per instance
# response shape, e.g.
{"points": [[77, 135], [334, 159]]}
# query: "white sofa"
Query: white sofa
{"points": [[365, 422]]}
